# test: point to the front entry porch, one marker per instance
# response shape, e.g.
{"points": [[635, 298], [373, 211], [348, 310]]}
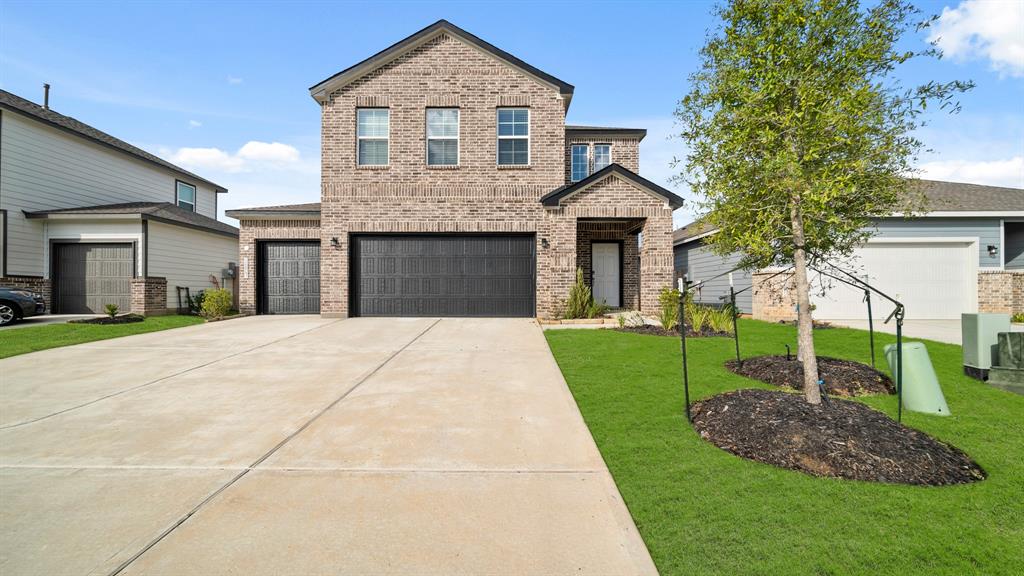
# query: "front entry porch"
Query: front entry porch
{"points": [[608, 252]]}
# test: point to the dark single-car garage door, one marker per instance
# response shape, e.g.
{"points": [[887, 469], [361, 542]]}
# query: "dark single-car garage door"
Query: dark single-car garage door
{"points": [[449, 275], [90, 276], [290, 278]]}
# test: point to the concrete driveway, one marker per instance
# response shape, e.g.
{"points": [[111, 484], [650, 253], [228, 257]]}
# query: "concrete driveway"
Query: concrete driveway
{"points": [[296, 445], [938, 330]]}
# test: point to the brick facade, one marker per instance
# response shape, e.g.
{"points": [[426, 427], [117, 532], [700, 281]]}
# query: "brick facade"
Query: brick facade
{"points": [[477, 196], [254, 230], [774, 296], [33, 283], [149, 296], [1001, 291], [588, 232]]}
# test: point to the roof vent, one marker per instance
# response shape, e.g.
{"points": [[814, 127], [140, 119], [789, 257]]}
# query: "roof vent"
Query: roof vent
{"points": [[46, 96]]}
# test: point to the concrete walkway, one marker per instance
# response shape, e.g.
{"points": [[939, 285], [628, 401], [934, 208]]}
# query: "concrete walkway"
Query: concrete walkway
{"points": [[276, 445]]}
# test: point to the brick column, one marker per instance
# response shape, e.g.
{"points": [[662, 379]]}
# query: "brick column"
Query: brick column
{"points": [[1001, 291], [657, 262], [556, 264], [149, 296], [773, 296]]}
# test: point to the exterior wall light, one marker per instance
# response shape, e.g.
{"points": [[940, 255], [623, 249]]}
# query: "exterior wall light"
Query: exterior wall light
{"points": [[993, 250], [544, 243], [334, 242]]}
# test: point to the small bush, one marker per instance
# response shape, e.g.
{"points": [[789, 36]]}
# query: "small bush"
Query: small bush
{"points": [[668, 300], [195, 302], [581, 299], [111, 309], [1018, 318], [621, 319], [216, 303], [720, 320], [699, 317], [597, 309]]}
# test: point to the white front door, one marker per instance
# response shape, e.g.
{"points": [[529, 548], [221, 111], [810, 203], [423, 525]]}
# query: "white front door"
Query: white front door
{"points": [[607, 273]]}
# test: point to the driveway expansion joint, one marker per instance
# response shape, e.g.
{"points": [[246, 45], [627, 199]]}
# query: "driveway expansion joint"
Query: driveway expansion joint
{"points": [[161, 379], [124, 565]]}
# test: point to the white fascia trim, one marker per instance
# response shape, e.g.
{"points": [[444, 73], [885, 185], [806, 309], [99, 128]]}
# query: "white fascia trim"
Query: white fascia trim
{"points": [[961, 214], [93, 217], [697, 237]]}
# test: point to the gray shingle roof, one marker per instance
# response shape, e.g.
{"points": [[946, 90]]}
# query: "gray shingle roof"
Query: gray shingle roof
{"points": [[159, 211], [69, 124], [598, 131], [311, 208], [939, 197]]}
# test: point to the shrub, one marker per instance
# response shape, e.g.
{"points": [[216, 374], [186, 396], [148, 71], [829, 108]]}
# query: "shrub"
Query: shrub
{"points": [[597, 309], [216, 303], [720, 320], [111, 309], [580, 298], [668, 300], [195, 302], [1017, 318], [621, 319], [698, 316]]}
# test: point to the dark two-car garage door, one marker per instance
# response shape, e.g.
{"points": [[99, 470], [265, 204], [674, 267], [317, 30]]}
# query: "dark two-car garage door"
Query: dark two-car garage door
{"points": [[290, 277], [87, 277], [443, 275]]}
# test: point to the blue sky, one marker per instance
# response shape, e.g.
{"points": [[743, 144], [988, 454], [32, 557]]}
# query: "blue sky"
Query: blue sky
{"points": [[221, 88]]}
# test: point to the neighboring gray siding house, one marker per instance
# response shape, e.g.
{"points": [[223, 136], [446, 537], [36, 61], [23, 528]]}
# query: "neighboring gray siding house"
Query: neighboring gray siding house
{"points": [[88, 219], [965, 253]]}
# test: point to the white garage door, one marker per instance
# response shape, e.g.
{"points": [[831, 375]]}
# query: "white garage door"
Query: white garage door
{"points": [[934, 280]]}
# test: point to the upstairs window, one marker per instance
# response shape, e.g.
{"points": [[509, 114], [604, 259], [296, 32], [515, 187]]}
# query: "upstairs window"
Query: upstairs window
{"points": [[513, 136], [185, 196], [580, 161], [372, 129], [442, 136], [602, 156]]}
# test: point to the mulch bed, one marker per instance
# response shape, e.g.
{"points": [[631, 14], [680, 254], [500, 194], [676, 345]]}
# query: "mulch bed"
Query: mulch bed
{"points": [[659, 331], [842, 377], [841, 439], [125, 319]]}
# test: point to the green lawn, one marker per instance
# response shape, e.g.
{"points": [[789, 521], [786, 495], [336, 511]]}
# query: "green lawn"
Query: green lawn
{"points": [[15, 341], [702, 510]]}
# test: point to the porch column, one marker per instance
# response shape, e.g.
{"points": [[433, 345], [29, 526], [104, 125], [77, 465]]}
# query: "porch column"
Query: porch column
{"points": [[656, 261], [556, 264]]}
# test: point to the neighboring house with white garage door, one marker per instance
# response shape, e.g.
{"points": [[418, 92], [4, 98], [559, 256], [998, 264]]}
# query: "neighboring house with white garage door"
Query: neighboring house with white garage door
{"points": [[964, 253], [87, 219]]}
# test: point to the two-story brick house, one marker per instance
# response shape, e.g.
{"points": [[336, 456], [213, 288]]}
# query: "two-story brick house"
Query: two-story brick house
{"points": [[452, 186]]}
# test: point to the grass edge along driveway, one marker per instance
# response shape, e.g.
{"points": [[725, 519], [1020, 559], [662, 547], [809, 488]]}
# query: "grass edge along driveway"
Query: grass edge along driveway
{"points": [[16, 341], [702, 510]]}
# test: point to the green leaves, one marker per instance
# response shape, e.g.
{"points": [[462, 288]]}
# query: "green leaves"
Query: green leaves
{"points": [[798, 100]]}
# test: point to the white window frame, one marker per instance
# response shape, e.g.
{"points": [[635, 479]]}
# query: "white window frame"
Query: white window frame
{"points": [[360, 138], [177, 194], [426, 133], [586, 168], [529, 133], [593, 157]]}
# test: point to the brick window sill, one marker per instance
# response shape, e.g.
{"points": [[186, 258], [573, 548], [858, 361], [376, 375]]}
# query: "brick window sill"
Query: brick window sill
{"points": [[384, 167], [513, 166], [443, 167]]}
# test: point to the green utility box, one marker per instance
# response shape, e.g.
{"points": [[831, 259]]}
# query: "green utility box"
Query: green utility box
{"points": [[1008, 373], [980, 334], [921, 391]]}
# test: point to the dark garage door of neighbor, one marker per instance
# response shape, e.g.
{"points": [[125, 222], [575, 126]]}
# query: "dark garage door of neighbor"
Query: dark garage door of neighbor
{"points": [[443, 275], [90, 276], [290, 278]]}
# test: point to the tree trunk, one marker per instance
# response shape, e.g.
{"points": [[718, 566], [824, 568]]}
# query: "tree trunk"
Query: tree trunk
{"points": [[804, 322]]}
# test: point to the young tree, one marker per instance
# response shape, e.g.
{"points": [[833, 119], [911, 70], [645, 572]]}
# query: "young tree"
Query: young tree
{"points": [[799, 133]]}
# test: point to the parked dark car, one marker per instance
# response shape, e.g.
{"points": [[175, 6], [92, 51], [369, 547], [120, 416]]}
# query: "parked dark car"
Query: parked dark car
{"points": [[18, 303]]}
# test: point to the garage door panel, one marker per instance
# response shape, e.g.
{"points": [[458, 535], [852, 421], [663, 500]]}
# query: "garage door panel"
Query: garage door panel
{"points": [[934, 280], [444, 275], [291, 277], [91, 275]]}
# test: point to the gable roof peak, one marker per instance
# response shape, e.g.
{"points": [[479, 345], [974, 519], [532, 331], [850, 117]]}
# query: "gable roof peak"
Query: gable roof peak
{"points": [[324, 88]]}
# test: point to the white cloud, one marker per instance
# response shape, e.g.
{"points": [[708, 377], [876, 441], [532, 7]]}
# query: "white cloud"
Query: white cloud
{"points": [[194, 123], [234, 80], [253, 156], [991, 29], [1009, 172]]}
